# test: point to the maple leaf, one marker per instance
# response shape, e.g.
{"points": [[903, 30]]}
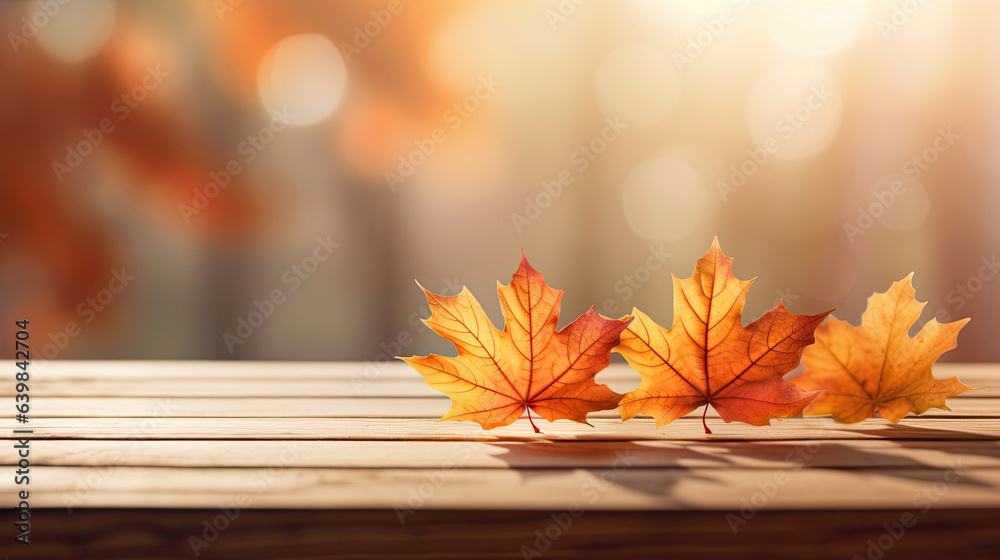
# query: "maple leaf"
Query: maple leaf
{"points": [[708, 358], [877, 367], [497, 375]]}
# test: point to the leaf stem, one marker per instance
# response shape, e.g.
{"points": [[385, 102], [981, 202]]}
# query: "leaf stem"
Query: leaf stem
{"points": [[703, 423], [537, 431]]}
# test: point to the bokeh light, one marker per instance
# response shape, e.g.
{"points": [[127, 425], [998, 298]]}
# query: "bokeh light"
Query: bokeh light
{"points": [[816, 28], [77, 31], [304, 75], [796, 105], [437, 140]]}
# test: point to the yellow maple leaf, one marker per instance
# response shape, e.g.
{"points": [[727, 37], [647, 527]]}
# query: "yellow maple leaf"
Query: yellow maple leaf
{"points": [[878, 367]]}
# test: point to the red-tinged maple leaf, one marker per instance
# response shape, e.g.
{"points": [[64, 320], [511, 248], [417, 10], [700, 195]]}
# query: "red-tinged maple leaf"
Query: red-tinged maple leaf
{"points": [[877, 367], [708, 358], [497, 375]]}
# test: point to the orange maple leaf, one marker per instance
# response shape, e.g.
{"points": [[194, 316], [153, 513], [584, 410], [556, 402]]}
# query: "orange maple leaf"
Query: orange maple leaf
{"points": [[877, 367], [528, 365], [708, 358]]}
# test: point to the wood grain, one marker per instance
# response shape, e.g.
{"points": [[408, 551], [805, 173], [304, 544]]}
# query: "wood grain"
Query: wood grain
{"points": [[66, 370], [374, 429], [290, 379], [870, 453], [338, 407], [310, 534], [555, 489], [320, 455]]}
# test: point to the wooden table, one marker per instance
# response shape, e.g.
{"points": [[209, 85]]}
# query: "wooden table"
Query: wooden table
{"points": [[346, 460]]}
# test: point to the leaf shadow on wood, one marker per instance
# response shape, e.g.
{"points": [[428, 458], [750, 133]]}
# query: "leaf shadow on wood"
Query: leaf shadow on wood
{"points": [[611, 463], [655, 467], [908, 431], [855, 455], [957, 443]]}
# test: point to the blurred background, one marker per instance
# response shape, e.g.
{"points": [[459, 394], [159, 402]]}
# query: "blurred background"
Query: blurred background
{"points": [[266, 179]]}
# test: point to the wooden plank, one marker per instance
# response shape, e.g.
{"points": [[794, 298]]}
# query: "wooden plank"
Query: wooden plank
{"points": [[277, 387], [968, 534], [265, 388], [222, 388], [165, 370], [338, 407], [316, 379], [687, 428], [616, 488], [517, 455], [183, 442]]}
